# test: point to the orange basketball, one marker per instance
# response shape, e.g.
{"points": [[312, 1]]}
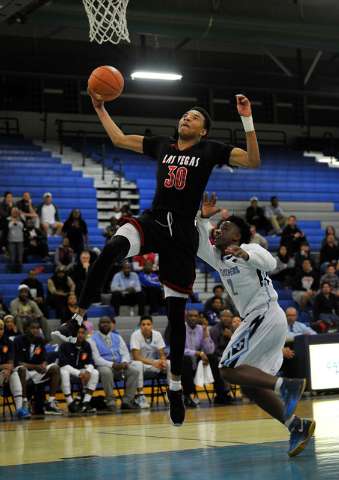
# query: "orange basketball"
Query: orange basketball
{"points": [[106, 83]]}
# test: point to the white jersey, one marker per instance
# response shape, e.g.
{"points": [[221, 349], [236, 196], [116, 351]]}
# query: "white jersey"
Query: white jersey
{"points": [[247, 282], [148, 347]]}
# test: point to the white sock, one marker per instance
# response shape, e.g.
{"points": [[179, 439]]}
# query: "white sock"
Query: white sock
{"points": [[51, 399], [69, 399], [87, 397], [141, 392], [278, 385], [175, 386], [289, 421], [18, 402], [24, 399]]}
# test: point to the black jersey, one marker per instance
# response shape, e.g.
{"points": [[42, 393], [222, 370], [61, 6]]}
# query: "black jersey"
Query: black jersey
{"points": [[182, 176]]}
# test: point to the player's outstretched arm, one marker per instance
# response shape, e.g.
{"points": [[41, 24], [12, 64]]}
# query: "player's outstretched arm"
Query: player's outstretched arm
{"points": [[238, 157], [208, 205], [119, 139]]}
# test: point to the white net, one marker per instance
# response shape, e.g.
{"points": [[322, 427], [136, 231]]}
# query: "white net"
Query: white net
{"points": [[107, 20]]}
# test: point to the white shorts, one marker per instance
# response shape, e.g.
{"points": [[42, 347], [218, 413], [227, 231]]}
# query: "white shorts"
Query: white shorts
{"points": [[35, 376], [258, 341]]}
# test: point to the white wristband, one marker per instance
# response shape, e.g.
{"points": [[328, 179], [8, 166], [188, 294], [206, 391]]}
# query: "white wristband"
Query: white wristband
{"points": [[248, 123]]}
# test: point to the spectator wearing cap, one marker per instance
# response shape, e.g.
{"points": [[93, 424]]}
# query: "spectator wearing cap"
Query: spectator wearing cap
{"points": [[255, 216], [59, 286], [49, 215], [23, 309], [275, 214], [36, 290]]}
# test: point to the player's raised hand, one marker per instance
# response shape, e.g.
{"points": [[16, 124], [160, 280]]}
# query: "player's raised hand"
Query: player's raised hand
{"points": [[96, 103], [208, 205], [243, 106]]}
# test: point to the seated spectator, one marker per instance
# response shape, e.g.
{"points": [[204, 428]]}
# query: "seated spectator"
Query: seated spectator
{"points": [[3, 308], [275, 214], [284, 270], [304, 252], [80, 271], [126, 211], [332, 279], [49, 215], [329, 254], [35, 242], [111, 229], [213, 315], [326, 307], [224, 214], [36, 291], [75, 229], [148, 355], [11, 330], [59, 286], [27, 209], [7, 375], [222, 332], [255, 216], [292, 237], [31, 363], [200, 346], [13, 237], [295, 328], [139, 262], [258, 239], [126, 290], [112, 360], [236, 322], [330, 231], [64, 256], [23, 309], [5, 208], [305, 285], [113, 326], [76, 360], [218, 291], [152, 287], [117, 212]]}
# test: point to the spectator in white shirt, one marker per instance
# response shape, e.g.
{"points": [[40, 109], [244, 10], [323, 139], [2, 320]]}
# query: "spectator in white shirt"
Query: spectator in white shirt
{"points": [[49, 215], [295, 328]]}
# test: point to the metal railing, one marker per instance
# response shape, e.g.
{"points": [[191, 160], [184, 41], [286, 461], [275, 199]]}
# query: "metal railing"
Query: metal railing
{"points": [[8, 128], [328, 136]]}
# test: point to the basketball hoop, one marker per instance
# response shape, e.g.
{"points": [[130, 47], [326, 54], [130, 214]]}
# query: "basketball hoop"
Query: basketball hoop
{"points": [[107, 20]]}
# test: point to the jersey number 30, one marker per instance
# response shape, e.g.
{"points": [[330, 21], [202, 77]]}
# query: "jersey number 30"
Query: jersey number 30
{"points": [[176, 178]]}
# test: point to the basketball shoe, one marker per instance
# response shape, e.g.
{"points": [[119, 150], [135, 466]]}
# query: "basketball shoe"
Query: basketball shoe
{"points": [[141, 400], [301, 432], [22, 413], [176, 407], [69, 331], [291, 391]]}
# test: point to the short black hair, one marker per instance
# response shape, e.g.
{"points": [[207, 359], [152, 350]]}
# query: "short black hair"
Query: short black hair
{"points": [[146, 317], [207, 118], [216, 298], [218, 286], [244, 228], [325, 283]]}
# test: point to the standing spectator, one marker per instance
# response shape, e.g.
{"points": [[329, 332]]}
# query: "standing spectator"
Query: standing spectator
{"points": [[64, 256], [329, 254], [13, 237], [126, 290], [306, 284], [330, 231], [35, 242], [3, 308], [27, 209], [257, 238], [80, 271], [5, 208], [255, 216], [292, 237], [274, 213], [23, 309], [75, 229], [36, 290], [31, 363], [111, 229], [59, 286], [49, 215], [76, 360], [304, 252], [7, 375], [11, 330], [152, 287], [112, 360], [213, 315], [326, 307], [284, 270], [222, 332], [332, 279]]}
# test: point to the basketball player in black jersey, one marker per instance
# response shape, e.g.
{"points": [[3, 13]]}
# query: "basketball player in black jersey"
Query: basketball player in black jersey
{"points": [[184, 167]]}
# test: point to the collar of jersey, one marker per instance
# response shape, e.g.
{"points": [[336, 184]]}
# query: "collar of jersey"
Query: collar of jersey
{"points": [[175, 145]]}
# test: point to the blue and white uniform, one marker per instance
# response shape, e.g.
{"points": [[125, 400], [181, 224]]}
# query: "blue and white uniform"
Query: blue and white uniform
{"points": [[260, 338]]}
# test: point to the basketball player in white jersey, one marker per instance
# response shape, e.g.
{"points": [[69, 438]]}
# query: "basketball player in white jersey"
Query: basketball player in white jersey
{"points": [[254, 354]]}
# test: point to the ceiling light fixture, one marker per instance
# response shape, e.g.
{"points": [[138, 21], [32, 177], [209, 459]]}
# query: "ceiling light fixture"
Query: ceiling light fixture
{"points": [[156, 76]]}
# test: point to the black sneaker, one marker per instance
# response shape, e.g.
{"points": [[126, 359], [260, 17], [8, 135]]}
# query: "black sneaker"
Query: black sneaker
{"points": [[87, 408], [69, 331], [176, 407], [75, 407]]}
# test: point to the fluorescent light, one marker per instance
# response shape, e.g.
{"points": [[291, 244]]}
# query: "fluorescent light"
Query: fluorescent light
{"points": [[156, 76], [324, 160]]}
